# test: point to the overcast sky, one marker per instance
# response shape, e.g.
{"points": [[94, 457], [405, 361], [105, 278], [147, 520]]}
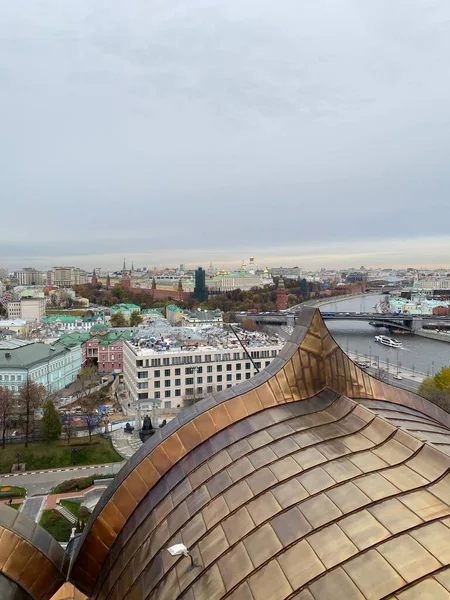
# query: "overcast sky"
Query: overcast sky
{"points": [[305, 132]]}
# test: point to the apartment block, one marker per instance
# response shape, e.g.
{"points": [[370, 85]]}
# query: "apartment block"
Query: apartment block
{"points": [[190, 371]]}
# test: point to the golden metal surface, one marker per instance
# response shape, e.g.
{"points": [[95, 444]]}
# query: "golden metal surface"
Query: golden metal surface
{"points": [[293, 488]]}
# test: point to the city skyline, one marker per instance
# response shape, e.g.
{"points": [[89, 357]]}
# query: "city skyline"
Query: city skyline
{"points": [[396, 254], [305, 133]]}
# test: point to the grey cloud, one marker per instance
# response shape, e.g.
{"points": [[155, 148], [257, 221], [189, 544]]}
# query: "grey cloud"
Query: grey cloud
{"points": [[176, 129]]}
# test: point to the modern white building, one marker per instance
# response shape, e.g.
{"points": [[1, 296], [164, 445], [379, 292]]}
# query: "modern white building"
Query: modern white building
{"points": [[191, 371]]}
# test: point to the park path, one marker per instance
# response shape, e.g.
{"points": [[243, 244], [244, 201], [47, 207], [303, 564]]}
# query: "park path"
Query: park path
{"points": [[33, 507]]}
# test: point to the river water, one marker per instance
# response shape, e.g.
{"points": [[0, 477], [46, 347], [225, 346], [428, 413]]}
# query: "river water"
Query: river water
{"points": [[418, 353]]}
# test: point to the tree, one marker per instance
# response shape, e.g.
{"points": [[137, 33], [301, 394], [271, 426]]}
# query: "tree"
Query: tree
{"points": [[67, 425], [118, 320], [91, 415], [435, 389], [442, 379], [249, 325], [6, 405], [31, 397], [85, 379], [135, 319], [51, 422]]}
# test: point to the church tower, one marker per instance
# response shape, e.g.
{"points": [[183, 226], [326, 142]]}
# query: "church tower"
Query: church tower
{"points": [[94, 278]]}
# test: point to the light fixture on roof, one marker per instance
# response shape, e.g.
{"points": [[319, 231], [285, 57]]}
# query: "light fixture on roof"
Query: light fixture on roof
{"points": [[181, 550]]}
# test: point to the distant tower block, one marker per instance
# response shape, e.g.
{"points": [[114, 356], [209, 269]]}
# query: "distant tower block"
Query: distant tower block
{"points": [[281, 296], [94, 278]]}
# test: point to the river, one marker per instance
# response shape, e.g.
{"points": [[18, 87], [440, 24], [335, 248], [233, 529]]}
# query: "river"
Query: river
{"points": [[418, 353]]}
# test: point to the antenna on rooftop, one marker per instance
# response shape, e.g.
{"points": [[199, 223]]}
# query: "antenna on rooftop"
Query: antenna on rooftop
{"points": [[244, 348]]}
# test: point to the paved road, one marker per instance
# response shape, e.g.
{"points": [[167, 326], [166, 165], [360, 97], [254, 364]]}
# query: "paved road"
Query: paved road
{"points": [[40, 483], [32, 507]]}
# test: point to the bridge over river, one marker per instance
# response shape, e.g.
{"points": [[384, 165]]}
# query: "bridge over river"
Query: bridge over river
{"points": [[410, 323]]}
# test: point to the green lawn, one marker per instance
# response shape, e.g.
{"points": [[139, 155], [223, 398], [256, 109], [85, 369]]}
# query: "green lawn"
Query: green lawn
{"points": [[15, 506], [57, 525], [74, 508], [43, 455]]}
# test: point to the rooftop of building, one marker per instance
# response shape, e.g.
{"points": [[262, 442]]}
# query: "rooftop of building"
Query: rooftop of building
{"points": [[13, 323], [62, 318], [111, 337], [203, 315], [162, 339], [174, 308], [125, 306], [30, 354]]}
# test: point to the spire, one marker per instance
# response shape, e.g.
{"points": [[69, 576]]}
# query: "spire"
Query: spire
{"points": [[132, 266], [124, 266]]}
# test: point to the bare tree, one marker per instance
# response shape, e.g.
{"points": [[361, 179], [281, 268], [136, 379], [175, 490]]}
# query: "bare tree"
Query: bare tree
{"points": [[67, 425], [6, 406], [85, 380], [31, 397], [382, 375], [91, 415]]}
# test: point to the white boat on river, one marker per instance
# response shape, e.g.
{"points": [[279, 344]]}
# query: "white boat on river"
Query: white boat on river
{"points": [[387, 341]]}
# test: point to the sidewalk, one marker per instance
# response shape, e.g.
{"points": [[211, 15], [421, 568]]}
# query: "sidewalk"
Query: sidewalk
{"points": [[64, 469], [52, 498]]}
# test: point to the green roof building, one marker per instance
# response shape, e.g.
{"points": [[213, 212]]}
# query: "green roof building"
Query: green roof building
{"points": [[125, 309], [52, 365]]}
